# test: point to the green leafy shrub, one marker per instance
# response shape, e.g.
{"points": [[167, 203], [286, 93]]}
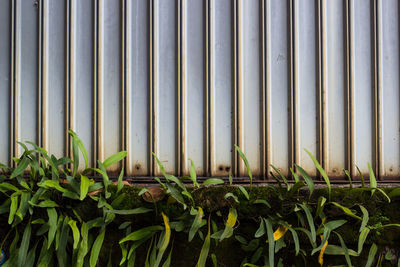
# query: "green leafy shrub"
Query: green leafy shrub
{"points": [[58, 216]]}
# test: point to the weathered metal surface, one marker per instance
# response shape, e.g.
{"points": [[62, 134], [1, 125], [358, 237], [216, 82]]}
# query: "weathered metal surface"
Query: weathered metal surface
{"points": [[188, 79]]}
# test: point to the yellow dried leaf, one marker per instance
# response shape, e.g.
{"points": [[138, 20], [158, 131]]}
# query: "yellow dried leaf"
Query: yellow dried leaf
{"points": [[232, 216], [167, 235], [321, 253], [166, 222], [280, 232]]}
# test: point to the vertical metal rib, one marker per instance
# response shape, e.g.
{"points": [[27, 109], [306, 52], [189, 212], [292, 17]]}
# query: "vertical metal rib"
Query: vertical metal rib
{"points": [[181, 92], [40, 71], [350, 86], [294, 90], [70, 72], [15, 94], [322, 94], [378, 92], [99, 89], [238, 90], [210, 116], [44, 90], [153, 98], [123, 80], [94, 119], [127, 83], [266, 87]]}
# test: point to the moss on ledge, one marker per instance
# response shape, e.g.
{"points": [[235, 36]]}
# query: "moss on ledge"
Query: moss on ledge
{"points": [[229, 251]]}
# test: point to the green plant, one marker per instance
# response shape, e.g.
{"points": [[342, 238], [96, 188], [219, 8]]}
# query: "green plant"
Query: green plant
{"points": [[44, 202]]}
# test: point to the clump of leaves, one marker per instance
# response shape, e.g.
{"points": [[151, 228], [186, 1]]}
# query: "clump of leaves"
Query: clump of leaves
{"points": [[42, 194]]}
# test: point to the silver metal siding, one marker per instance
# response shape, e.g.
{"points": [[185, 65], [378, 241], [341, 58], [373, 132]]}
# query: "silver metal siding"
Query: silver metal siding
{"points": [[188, 79]]}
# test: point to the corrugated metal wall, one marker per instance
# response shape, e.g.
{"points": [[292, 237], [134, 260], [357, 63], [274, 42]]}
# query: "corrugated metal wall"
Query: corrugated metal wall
{"points": [[190, 78]]}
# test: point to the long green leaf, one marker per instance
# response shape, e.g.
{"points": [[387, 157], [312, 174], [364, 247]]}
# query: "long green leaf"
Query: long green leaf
{"points": [[52, 213], [44, 204], [75, 156], [103, 172], [228, 195], [347, 173], [361, 177], [244, 192], [22, 165], [295, 237], [372, 180], [345, 249], [75, 233], [322, 171], [114, 158], [81, 147], [320, 206], [24, 246], [141, 233], [120, 184], [271, 242], [85, 182], [294, 175], [261, 229], [371, 255], [139, 210], [332, 225], [307, 178], [213, 181], [124, 252], [83, 246], [205, 249], [246, 162], [310, 221], [384, 194], [262, 201], [176, 180], [62, 239], [336, 250], [13, 208], [282, 176], [193, 175], [23, 205], [98, 243], [196, 224], [365, 218], [30, 259], [361, 239], [51, 184], [5, 187], [347, 211]]}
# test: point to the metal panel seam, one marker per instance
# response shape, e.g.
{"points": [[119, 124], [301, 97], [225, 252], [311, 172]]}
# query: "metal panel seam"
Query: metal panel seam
{"points": [[181, 88], [378, 91], [350, 156], [294, 89], [266, 87], [209, 93], [238, 88], [322, 79], [153, 95]]}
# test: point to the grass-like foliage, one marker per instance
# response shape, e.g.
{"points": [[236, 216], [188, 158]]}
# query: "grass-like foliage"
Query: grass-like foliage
{"points": [[42, 196]]}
